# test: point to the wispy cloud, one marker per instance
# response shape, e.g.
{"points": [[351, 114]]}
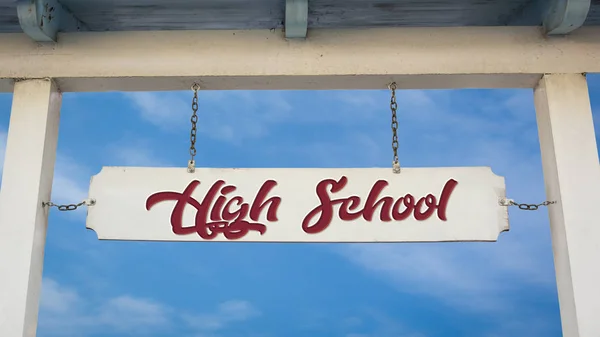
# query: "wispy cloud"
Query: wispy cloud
{"points": [[63, 312], [232, 116], [138, 152], [226, 313], [383, 325], [71, 180], [340, 152], [142, 315], [453, 274], [166, 110], [56, 298]]}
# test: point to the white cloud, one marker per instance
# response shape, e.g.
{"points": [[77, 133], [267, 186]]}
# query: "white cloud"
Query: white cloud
{"points": [[57, 299], [358, 105], [130, 314], [70, 180], [382, 326], [135, 153], [336, 153], [226, 313], [167, 110], [64, 312], [522, 326], [237, 310], [473, 277], [232, 116]]}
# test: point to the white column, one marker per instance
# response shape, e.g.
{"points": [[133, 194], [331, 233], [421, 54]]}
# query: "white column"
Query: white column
{"points": [[26, 183], [572, 178]]}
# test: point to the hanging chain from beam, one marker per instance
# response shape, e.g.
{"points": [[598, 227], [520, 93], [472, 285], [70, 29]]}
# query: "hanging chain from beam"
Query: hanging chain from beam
{"points": [[194, 130], [394, 107]]}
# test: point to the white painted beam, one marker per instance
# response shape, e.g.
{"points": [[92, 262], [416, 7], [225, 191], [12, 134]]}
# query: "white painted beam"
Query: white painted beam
{"points": [[572, 178], [41, 20], [26, 183], [296, 18], [564, 16], [459, 57]]}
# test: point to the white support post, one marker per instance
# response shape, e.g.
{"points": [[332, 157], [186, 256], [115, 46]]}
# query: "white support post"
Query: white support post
{"points": [[572, 179], [26, 183]]}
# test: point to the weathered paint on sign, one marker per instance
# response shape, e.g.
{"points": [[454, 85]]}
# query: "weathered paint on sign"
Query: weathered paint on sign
{"points": [[298, 205]]}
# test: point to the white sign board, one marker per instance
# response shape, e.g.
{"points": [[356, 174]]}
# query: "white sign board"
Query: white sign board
{"points": [[298, 205]]}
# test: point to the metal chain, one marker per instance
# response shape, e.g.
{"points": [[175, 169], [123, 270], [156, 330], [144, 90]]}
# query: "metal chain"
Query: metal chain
{"points": [[525, 207], [70, 207], [394, 107], [194, 120]]}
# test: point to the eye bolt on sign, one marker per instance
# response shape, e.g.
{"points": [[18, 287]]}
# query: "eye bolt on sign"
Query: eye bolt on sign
{"points": [[298, 205]]}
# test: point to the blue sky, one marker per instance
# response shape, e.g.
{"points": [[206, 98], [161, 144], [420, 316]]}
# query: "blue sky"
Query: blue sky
{"points": [[105, 289]]}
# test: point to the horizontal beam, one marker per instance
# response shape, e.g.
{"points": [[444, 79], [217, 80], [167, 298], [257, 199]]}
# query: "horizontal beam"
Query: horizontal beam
{"points": [[461, 57]]}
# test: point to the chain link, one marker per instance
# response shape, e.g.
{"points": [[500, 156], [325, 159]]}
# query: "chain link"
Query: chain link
{"points": [[70, 207], [194, 120], [526, 207], [394, 108]]}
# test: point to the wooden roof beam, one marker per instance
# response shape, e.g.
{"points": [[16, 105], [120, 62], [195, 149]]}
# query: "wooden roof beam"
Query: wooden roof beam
{"points": [[564, 16], [296, 19], [558, 17], [41, 20]]}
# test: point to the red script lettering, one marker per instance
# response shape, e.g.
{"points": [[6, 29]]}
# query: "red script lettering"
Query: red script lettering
{"points": [[390, 208], [227, 214]]}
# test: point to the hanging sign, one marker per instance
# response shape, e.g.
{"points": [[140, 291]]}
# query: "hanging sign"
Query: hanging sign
{"points": [[298, 205]]}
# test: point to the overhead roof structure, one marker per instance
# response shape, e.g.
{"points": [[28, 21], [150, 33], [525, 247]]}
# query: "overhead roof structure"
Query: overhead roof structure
{"points": [[140, 15], [99, 45]]}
